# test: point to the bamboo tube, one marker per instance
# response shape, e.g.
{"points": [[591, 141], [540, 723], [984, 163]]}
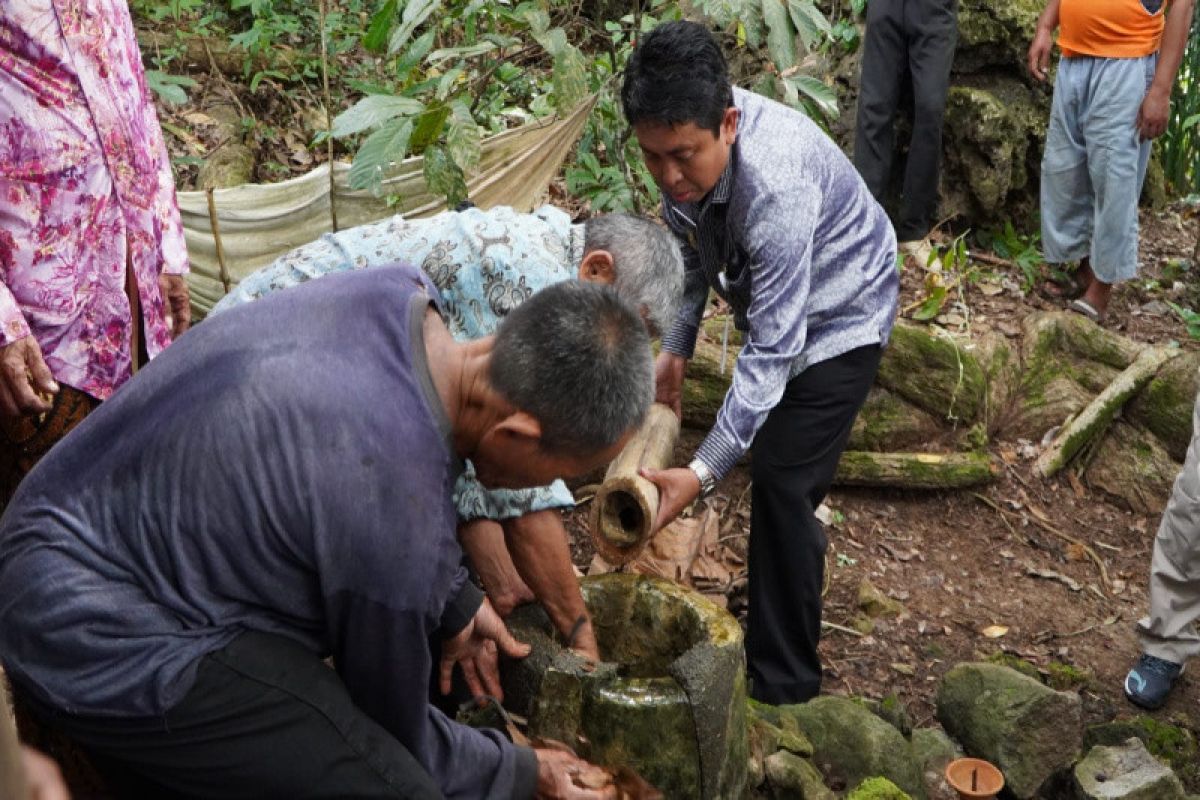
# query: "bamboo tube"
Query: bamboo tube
{"points": [[626, 504]]}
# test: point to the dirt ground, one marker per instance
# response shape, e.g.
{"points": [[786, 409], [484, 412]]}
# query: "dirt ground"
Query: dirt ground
{"points": [[962, 563]]}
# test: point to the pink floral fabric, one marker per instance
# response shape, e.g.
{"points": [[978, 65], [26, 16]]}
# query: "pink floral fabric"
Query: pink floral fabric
{"points": [[85, 190]]}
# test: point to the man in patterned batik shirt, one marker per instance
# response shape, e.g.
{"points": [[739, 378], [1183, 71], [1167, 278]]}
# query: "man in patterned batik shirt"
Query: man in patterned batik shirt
{"points": [[92, 255], [775, 219], [485, 263]]}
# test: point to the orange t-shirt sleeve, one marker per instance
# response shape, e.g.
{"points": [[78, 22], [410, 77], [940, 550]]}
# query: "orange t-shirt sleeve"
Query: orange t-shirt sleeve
{"points": [[1110, 28]]}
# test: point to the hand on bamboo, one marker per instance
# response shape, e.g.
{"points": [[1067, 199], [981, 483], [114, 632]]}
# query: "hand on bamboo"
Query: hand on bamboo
{"points": [[25, 380], [678, 488], [668, 381], [476, 648]]}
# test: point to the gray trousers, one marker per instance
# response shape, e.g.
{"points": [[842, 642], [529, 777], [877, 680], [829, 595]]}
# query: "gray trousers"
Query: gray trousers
{"points": [[1169, 631]]}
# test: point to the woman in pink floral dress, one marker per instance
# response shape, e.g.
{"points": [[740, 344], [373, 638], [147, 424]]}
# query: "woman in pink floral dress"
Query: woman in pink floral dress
{"points": [[92, 255]]}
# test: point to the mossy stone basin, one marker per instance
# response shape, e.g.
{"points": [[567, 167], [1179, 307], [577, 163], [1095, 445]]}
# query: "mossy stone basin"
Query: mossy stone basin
{"points": [[668, 699]]}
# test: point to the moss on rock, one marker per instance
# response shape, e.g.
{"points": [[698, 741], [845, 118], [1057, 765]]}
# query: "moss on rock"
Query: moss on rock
{"points": [[878, 789]]}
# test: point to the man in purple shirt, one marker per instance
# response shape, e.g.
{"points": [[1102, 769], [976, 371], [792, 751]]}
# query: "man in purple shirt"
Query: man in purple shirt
{"points": [[285, 497], [774, 218]]}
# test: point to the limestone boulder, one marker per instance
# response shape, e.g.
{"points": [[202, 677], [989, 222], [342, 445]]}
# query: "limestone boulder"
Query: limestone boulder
{"points": [[1132, 467], [795, 778], [1025, 728], [933, 750], [1125, 772], [852, 744]]}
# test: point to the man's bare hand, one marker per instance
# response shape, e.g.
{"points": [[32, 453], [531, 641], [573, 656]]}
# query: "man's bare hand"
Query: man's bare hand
{"points": [[177, 304], [1153, 115], [677, 489], [24, 377], [668, 381], [476, 649], [1039, 54], [43, 776], [557, 773]]}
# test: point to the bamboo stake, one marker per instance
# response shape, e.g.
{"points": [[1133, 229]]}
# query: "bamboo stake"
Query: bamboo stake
{"points": [[626, 504], [216, 232], [328, 117], [1095, 418], [916, 470]]}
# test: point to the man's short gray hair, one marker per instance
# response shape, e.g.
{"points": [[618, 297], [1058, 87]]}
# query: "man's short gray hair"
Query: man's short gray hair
{"points": [[647, 262], [576, 357]]}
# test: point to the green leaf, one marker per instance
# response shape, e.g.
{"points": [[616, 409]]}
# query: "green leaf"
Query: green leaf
{"points": [[376, 38], [932, 306], [169, 87], [444, 177], [416, 51], [466, 51], [447, 82], [1191, 121], [415, 13], [464, 138], [384, 147], [569, 76], [372, 111], [812, 26], [781, 42], [428, 127], [823, 96], [858, 7]]}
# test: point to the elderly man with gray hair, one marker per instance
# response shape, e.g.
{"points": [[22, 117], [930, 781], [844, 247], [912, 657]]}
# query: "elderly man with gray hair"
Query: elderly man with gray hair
{"points": [[274, 490], [486, 263]]}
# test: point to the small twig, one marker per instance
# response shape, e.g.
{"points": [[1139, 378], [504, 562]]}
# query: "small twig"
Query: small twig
{"points": [[1035, 513], [842, 628]]}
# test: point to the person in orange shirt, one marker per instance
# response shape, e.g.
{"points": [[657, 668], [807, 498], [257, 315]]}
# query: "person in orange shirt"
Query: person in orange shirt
{"points": [[1112, 97]]}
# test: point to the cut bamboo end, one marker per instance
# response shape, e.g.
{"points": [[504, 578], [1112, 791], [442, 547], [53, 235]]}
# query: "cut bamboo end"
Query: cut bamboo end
{"points": [[625, 506]]}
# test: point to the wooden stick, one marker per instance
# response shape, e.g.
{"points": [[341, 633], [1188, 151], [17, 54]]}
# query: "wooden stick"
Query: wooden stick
{"points": [[626, 504], [328, 121], [216, 232], [1095, 418]]}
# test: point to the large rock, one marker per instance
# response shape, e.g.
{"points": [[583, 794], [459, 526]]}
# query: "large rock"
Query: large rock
{"points": [[933, 750], [1025, 728], [853, 744], [1132, 466], [795, 778], [1165, 406], [1125, 772]]}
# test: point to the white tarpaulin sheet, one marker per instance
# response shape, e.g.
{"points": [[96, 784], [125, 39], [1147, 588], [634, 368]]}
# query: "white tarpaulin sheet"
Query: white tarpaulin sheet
{"points": [[257, 223]]}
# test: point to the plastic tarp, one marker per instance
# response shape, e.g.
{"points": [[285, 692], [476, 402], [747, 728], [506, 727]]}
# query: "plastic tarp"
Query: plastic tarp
{"points": [[257, 223]]}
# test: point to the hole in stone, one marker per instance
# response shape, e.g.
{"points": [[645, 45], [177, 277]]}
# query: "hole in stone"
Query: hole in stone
{"points": [[642, 632], [621, 518]]}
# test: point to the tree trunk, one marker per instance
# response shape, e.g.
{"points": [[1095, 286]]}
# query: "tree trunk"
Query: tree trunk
{"points": [[1100, 412], [916, 470]]}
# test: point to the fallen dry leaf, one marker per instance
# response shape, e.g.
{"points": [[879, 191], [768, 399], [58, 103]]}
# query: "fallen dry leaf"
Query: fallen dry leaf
{"points": [[994, 631]]}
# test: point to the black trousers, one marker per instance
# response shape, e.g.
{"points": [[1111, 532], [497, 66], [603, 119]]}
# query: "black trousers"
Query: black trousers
{"points": [[265, 719], [795, 455], [905, 39]]}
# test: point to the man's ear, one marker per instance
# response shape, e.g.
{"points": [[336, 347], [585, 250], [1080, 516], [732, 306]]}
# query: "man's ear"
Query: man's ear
{"points": [[597, 267], [518, 427], [729, 124]]}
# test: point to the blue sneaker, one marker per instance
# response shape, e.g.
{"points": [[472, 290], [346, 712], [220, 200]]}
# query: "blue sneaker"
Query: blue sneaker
{"points": [[1150, 681]]}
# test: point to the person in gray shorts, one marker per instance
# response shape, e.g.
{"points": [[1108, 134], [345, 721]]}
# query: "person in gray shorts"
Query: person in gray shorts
{"points": [[1168, 633], [1111, 99]]}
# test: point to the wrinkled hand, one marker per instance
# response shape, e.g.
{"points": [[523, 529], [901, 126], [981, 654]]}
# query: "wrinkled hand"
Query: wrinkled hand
{"points": [[1153, 115], [23, 377], [43, 776], [475, 649], [1039, 54], [556, 773], [668, 381], [677, 489], [176, 303]]}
